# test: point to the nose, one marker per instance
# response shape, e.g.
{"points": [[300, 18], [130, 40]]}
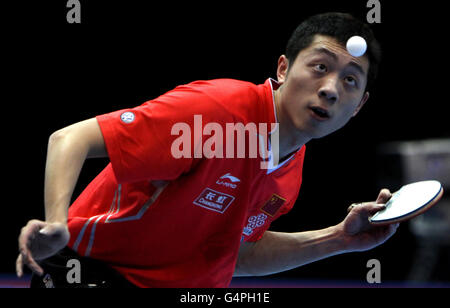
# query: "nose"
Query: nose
{"points": [[329, 91]]}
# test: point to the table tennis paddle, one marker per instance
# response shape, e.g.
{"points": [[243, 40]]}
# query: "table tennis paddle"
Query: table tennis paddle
{"points": [[408, 202]]}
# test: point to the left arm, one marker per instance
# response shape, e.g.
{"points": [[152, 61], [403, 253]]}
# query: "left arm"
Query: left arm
{"points": [[277, 251]]}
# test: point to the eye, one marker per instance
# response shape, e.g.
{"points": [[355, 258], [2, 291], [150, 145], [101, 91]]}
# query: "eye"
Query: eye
{"points": [[350, 80], [321, 68]]}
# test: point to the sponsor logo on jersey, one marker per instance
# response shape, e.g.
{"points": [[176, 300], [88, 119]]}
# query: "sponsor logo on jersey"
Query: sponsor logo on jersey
{"points": [[225, 180], [214, 200], [254, 222], [230, 177]]}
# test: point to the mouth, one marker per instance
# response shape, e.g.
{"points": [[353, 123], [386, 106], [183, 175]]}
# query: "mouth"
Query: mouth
{"points": [[320, 113]]}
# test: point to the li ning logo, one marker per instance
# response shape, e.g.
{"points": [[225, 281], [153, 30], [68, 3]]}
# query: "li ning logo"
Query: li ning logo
{"points": [[228, 180]]}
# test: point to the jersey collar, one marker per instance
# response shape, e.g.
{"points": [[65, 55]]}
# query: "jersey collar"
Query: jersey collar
{"points": [[274, 85]]}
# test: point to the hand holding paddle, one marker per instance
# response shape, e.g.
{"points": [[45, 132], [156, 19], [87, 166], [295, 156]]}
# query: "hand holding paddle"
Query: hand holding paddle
{"points": [[358, 233], [370, 224]]}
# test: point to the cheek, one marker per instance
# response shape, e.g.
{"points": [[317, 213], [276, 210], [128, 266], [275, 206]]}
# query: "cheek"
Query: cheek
{"points": [[299, 77], [344, 115], [294, 99], [298, 87]]}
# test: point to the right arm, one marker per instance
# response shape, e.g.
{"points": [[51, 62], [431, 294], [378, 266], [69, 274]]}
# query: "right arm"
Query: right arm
{"points": [[68, 148]]}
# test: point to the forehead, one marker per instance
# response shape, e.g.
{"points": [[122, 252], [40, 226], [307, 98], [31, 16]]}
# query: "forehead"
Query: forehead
{"points": [[321, 42]]}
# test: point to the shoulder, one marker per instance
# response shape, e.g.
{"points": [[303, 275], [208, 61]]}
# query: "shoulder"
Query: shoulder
{"points": [[218, 100], [238, 97], [223, 88], [222, 91]]}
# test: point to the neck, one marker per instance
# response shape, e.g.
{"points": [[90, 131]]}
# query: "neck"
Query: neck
{"points": [[290, 138]]}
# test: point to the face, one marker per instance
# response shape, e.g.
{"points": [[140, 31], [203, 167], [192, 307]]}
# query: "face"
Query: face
{"points": [[323, 89]]}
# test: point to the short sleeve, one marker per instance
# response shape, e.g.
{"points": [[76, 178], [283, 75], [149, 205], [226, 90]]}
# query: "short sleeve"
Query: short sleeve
{"points": [[259, 223], [144, 143]]}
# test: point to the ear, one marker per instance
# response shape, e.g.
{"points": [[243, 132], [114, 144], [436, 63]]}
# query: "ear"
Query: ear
{"points": [[283, 65], [361, 103]]}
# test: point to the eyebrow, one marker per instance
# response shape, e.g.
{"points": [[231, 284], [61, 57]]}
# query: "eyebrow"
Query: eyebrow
{"points": [[335, 57]]}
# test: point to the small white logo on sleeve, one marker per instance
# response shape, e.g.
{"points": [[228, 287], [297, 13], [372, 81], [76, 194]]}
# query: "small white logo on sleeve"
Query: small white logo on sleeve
{"points": [[127, 117]]}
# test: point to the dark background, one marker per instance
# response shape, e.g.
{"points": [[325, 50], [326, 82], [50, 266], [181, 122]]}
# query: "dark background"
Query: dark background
{"points": [[126, 52]]}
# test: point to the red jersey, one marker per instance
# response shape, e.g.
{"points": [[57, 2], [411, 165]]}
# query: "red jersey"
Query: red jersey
{"points": [[163, 221]]}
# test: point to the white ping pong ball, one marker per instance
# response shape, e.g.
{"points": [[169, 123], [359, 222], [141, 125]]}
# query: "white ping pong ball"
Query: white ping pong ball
{"points": [[356, 46]]}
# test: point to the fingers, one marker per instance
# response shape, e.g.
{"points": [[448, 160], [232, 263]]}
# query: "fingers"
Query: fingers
{"points": [[19, 266], [28, 233], [24, 259], [384, 196], [366, 208], [32, 265], [372, 208], [28, 260], [351, 207]]}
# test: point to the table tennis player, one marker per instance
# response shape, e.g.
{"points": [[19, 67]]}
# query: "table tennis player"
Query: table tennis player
{"points": [[150, 219]]}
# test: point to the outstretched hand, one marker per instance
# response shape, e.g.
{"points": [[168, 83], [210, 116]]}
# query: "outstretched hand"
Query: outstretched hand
{"points": [[358, 233], [39, 240]]}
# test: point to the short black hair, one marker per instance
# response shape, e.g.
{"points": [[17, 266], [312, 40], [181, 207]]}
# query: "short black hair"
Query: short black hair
{"points": [[340, 26]]}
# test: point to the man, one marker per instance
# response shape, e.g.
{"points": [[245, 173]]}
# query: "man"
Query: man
{"points": [[155, 219]]}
